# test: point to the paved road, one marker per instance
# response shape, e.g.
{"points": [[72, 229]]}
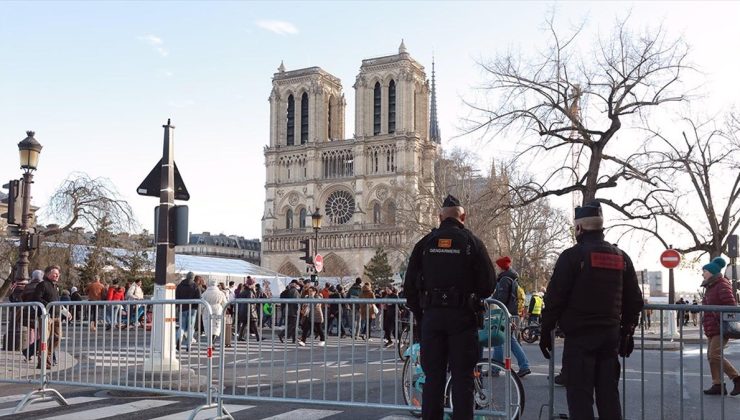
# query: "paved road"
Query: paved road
{"points": [[342, 370], [86, 404]]}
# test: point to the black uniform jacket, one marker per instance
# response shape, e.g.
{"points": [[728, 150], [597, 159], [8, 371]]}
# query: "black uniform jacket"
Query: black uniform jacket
{"points": [[481, 280], [593, 287]]}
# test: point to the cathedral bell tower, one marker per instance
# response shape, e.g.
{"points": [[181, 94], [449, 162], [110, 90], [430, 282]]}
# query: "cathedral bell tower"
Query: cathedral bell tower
{"points": [[391, 96]]}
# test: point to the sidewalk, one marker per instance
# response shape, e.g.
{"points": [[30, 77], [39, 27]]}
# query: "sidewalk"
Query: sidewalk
{"points": [[653, 337]]}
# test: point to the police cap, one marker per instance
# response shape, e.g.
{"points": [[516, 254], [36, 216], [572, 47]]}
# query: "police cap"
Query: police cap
{"points": [[451, 201], [590, 209]]}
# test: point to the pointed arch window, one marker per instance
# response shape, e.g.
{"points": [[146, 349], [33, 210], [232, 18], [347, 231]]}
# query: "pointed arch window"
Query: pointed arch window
{"points": [[376, 213], [302, 218], [392, 107], [391, 213], [290, 137], [304, 118], [376, 109], [328, 119], [289, 219]]}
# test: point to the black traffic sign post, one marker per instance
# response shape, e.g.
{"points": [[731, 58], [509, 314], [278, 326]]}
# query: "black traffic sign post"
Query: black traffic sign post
{"points": [[162, 182], [732, 252], [670, 258]]}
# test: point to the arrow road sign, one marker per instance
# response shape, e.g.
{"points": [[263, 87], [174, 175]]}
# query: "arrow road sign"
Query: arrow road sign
{"points": [[152, 183]]}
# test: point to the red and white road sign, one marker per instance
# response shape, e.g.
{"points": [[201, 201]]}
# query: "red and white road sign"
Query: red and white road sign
{"points": [[318, 263], [670, 258]]}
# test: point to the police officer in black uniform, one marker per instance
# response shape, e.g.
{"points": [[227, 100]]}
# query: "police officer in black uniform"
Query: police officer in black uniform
{"points": [[595, 298], [449, 273]]}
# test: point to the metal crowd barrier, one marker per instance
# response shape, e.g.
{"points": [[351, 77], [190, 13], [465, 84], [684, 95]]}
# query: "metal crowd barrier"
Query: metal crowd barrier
{"points": [[345, 360], [671, 386], [108, 345], [24, 327], [351, 366]]}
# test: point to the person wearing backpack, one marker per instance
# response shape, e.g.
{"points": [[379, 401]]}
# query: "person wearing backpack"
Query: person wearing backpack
{"points": [[507, 292]]}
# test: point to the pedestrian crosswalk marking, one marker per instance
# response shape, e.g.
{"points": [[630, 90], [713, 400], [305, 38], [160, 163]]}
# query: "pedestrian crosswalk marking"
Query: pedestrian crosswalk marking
{"points": [[304, 414], [48, 404], [205, 414], [112, 411], [12, 398]]}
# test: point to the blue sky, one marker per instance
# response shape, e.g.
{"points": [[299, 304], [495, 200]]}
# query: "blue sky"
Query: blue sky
{"points": [[96, 80]]}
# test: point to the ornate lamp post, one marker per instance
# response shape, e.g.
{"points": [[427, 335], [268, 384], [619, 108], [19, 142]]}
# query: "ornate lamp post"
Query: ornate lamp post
{"points": [[29, 149], [316, 224]]}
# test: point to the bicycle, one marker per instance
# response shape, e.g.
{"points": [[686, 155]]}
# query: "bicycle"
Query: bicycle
{"points": [[488, 382], [404, 336], [531, 333]]}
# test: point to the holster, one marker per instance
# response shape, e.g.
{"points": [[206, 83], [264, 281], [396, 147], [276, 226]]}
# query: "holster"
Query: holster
{"points": [[478, 307]]}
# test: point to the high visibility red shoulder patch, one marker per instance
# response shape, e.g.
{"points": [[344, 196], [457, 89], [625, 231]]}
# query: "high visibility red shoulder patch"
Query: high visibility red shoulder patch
{"points": [[607, 261], [444, 243]]}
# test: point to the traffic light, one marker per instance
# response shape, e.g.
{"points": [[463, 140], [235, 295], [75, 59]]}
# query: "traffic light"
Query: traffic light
{"points": [[307, 250], [13, 231], [14, 201], [732, 246]]}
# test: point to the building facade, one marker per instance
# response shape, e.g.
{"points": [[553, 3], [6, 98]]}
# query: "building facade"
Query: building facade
{"points": [[225, 246], [353, 181]]}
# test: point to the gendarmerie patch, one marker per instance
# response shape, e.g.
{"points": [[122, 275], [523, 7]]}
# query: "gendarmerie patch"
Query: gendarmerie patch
{"points": [[607, 261], [444, 243]]}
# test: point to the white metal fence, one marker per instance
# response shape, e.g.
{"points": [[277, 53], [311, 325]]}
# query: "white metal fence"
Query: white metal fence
{"points": [[674, 388], [348, 352]]}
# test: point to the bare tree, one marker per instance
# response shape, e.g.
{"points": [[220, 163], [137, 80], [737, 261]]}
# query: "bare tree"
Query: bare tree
{"points": [[482, 196], [697, 200], [538, 233], [82, 201], [575, 103]]}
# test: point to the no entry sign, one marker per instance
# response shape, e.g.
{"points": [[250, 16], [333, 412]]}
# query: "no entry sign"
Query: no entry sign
{"points": [[670, 258], [318, 263]]}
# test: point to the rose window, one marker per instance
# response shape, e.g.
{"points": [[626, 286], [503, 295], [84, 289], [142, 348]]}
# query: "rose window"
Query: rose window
{"points": [[339, 207]]}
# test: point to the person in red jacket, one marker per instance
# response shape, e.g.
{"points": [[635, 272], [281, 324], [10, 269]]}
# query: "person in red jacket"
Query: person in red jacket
{"points": [[116, 292], [718, 292]]}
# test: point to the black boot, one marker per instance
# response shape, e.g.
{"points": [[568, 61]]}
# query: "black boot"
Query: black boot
{"points": [[736, 388], [716, 389]]}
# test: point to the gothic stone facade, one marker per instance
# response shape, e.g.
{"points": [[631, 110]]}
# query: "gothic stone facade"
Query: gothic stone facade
{"points": [[352, 181]]}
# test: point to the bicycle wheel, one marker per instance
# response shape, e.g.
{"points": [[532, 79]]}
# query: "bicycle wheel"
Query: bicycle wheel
{"points": [[490, 389], [530, 335], [404, 340], [412, 382]]}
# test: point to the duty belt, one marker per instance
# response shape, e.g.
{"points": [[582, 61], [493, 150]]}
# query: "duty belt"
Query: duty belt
{"points": [[443, 298]]}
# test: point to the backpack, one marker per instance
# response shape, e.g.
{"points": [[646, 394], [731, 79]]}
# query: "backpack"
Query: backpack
{"points": [[28, 292], [520, 298]]}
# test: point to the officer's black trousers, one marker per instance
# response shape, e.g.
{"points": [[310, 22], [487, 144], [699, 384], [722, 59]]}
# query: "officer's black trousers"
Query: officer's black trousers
{"points": [[593, 367], [449, 335]]}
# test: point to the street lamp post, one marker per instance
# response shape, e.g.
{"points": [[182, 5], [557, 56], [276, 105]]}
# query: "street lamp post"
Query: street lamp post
{"points": [[316, 224], [29, 149]]}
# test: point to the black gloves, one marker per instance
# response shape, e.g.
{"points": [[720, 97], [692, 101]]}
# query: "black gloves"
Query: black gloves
{"points": [[626, 342], [546, 343]]}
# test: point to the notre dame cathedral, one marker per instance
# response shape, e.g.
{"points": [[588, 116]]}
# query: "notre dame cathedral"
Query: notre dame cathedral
{"points": [[353, 181]]}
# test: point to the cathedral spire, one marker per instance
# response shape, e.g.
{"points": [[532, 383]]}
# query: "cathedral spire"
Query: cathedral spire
{"points": [[434, 134]]}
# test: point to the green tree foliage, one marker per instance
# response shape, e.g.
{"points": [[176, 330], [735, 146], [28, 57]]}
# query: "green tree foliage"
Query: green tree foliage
{"points": [[98, 258], [378, 270], [137, 264]]}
